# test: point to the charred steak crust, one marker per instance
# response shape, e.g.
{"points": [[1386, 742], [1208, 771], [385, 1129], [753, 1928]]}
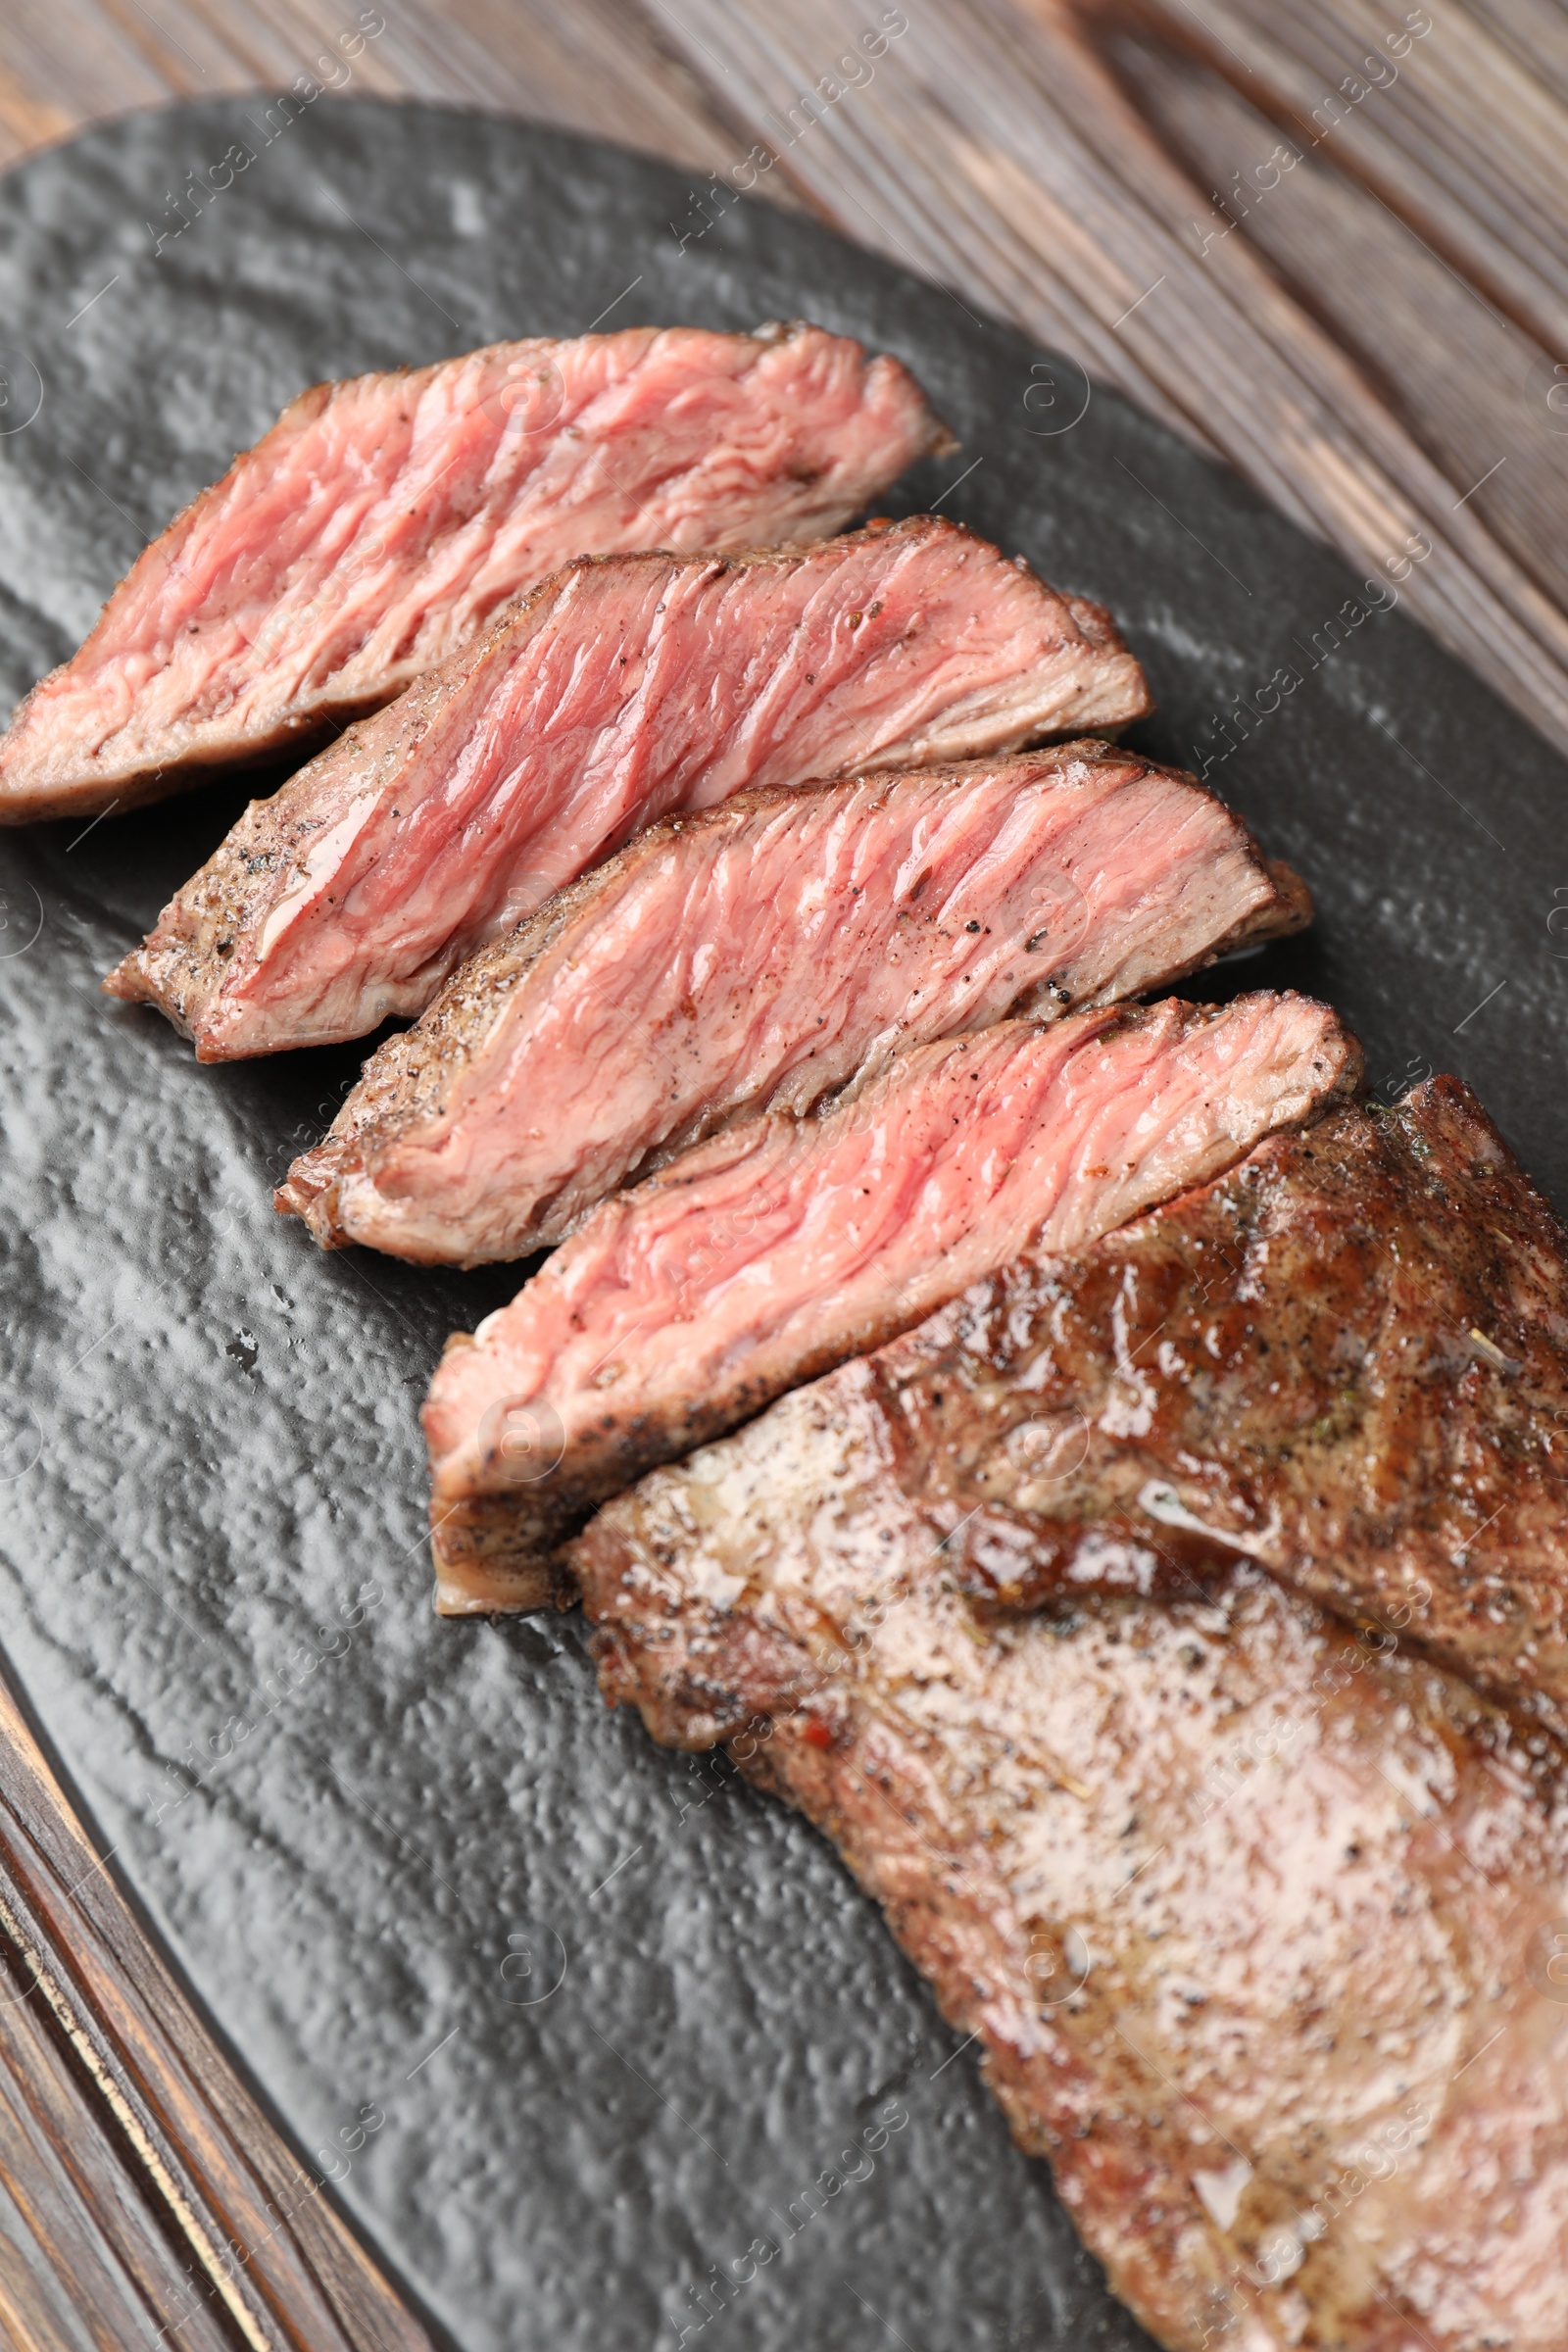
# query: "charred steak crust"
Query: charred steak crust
{"points": [[1250, 1917], [444, 820], [1346, 1359], [468, 1060], [433, 495]]}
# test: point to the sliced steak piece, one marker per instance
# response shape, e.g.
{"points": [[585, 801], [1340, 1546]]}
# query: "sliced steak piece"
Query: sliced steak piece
{"points": [[1346, 1358], [783, 1245], [383, 522], [625, 688], [1259, 1928], [759, 956]]}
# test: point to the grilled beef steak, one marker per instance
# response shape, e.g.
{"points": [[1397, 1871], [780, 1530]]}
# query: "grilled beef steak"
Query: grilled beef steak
{"points": [[1346, 1358], [1260, 1929], [383, 522], [783, 1245], [624, 689], [759, 956]]}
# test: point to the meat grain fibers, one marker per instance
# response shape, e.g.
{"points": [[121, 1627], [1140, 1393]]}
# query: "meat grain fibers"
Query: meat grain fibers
{"points": [[383, 522], [623, 690], [782, 1245], [764, 953]]}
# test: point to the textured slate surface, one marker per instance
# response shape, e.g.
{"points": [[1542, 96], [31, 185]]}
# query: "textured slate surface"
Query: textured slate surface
{"points": [[615, 2012]]}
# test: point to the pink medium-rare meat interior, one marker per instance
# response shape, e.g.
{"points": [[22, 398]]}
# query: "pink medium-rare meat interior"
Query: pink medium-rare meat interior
{"points": [[759, 956], [782, 1245], [383, 521], [625, 688]]}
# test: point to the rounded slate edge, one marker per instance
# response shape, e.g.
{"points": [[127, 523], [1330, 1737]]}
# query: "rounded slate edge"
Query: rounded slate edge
{"points": [[533, 2190]]}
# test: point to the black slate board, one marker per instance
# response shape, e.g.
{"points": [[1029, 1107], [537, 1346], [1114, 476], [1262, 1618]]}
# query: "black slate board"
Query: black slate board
{"points": [[617, 2011]]}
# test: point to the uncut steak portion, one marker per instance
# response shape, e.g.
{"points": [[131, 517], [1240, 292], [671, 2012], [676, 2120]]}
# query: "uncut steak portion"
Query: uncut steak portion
{"points": [[1257, 1926], [762, 954], [381, 522], [625, 688], [783, 1245], [1346, 1358]]}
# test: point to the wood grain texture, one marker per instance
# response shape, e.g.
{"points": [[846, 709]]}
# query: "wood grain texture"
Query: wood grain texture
{"points": [[144, 2196], [1371, 341], [1452, 127], [994, 150], [1535, 31], [1467, 383], [600, 69], [990, 146]]}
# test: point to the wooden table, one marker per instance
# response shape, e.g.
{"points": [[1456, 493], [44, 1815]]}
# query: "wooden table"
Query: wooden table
{"points": [[1324, 239], [1327, 239]]}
